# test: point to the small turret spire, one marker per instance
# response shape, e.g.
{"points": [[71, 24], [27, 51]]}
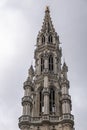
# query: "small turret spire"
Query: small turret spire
{"points": [[64, 70], [31, 73]]}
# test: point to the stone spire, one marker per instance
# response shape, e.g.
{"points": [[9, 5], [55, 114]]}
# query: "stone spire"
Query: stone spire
{"points": [[47, 34], [47, 23]]}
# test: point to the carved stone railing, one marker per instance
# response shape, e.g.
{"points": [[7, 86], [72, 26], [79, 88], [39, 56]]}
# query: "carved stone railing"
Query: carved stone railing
{"points": [[45, 118], [67, 117], [27, 120], [54, 118], [24, 120], [36, 119]]}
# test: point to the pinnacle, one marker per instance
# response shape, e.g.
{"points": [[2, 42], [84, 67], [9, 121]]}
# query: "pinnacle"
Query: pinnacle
{"points": [[31, 70], [47, 9], [65, 66]]}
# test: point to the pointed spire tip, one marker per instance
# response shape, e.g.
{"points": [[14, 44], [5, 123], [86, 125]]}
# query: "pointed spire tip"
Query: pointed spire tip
{"points": [[47, 9]]}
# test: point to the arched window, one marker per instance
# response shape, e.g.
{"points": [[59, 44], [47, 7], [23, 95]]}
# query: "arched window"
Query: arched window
{"points": [[52, 101], [43, 39], [41, 101], [42, 63], [48, 27], [50, 63], [50, 39]]}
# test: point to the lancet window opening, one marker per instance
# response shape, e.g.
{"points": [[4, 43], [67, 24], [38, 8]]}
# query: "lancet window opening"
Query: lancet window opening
{"points": [[52, 101], [50, 39], [42, 64], [43, 39], [50, 63], [41, 101]]}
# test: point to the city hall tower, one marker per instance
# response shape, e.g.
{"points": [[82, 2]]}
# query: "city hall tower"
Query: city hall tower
{"points": [[46, 101]]}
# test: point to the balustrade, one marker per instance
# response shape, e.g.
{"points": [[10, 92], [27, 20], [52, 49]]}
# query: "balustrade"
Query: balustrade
{"points": [[33, 120]]}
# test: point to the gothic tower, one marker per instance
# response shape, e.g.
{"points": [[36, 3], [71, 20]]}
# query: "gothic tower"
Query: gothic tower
{"points": [[46, 102]]}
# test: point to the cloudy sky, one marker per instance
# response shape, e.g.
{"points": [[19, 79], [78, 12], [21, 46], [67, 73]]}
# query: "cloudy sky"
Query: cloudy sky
{"points": [[20, 21]]}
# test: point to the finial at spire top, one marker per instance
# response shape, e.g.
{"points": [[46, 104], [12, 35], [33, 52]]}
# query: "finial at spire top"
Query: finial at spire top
{"points": [[47, 9]]}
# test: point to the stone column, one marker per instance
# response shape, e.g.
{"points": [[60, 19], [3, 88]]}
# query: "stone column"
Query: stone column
{"points": [[27, 91], [45, 81], [46, 65], [27, 100], [66, 99], [46, 100]]}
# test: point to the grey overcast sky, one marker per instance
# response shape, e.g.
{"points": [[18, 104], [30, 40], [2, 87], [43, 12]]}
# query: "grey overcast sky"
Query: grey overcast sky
{"points": [[20, 21]]}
